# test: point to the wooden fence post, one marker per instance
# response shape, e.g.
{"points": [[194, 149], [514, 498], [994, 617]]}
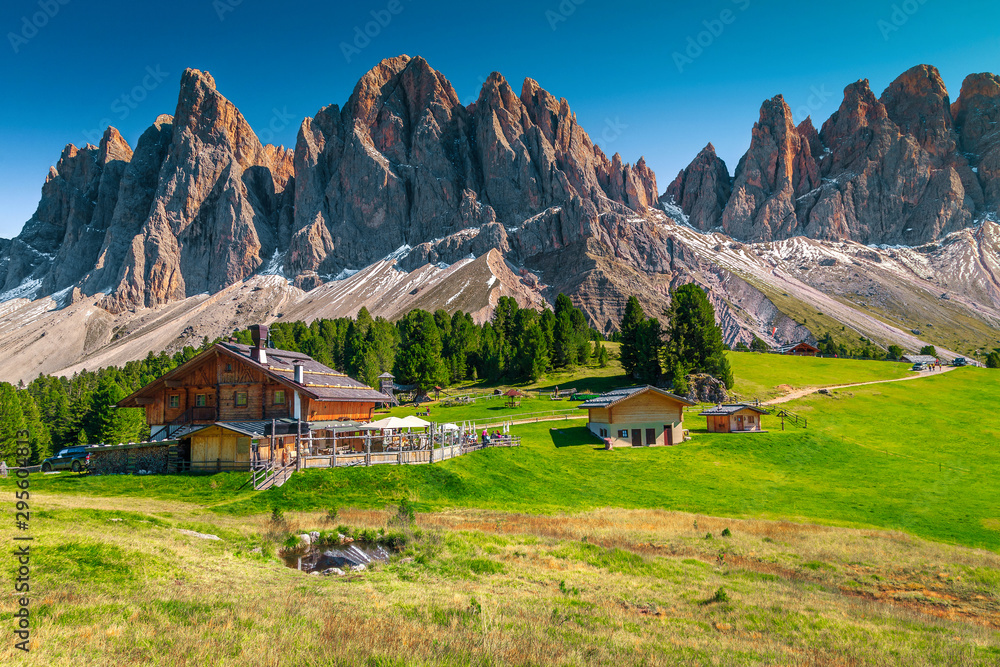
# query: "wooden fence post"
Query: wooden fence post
{"points": [[368, 448]]}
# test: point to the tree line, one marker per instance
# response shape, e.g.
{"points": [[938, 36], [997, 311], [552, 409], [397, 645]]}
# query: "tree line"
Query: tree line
{"points": [[423, 349], [437, 349]]}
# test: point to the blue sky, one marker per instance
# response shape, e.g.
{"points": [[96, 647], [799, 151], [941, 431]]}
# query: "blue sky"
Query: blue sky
{"points": [[628, 69]]}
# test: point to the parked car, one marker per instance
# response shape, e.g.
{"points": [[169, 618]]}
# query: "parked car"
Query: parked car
{"points": [[71, 458], [960, 361], [919, 366]]}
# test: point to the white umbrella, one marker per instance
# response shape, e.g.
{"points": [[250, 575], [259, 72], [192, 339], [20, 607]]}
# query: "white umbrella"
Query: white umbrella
{"points": [[414, 422], [387, 423], [449, 427]]}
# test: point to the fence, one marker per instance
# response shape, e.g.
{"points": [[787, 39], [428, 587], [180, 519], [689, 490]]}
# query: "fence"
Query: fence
{"points": [[404, 456]]}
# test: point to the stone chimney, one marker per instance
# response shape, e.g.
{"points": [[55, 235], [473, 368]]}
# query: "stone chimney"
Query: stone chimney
{"points": [[258, 333]]}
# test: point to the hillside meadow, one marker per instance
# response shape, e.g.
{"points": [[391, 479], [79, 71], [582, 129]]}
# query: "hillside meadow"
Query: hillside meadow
{"points": [[869, 538]]}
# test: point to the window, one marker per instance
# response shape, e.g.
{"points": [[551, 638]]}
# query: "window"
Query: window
{"points": [[241, 399], [175, 401], [623, 433], [750, 419], [201, 400], [229, 368], [279, 396]]}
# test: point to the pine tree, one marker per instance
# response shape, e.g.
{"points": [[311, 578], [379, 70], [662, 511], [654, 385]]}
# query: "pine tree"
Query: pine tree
{"points": [[11, 423], [631, 321], [694, 340], [38, 430], [419, 361], [107, 424], [602, 357]]}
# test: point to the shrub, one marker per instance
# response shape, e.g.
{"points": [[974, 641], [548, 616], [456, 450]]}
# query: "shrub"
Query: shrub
{"points": [[332, 515], [405, 514], [726, 532], [708, 536], [720, 595], [277, 516]]}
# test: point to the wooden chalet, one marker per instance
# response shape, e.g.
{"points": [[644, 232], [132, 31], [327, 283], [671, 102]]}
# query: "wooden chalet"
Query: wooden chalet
{"points": [[734, 418], [802, 349], [234, 404], [637, 416]]}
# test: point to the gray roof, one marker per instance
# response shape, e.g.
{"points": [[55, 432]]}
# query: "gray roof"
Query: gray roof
{"points": [[321, 381], [919, 358], [730, 409], [615, 396]]}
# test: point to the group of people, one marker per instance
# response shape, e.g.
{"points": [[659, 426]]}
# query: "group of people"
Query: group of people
{"points": [[490, 437]]}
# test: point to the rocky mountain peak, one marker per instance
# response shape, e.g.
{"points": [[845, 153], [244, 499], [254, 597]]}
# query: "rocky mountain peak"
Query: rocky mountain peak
{"points": [[114, 147], [701, 190], [917, 102]]}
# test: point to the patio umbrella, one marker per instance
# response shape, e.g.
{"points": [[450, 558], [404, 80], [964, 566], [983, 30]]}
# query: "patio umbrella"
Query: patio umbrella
{"points": [[387, 423], [413, 422], [449, 427]]}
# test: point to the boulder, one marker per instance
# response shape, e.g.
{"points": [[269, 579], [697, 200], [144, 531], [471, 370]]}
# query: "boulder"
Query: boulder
{"points": [[703, 388]]}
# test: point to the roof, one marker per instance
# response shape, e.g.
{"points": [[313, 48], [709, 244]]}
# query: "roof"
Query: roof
{"points": [[616, 396], [920, 358], [320, 382], [386, 375], [791, 346], [730, 409]]}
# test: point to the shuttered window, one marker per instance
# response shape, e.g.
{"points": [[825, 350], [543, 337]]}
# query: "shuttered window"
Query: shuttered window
{"points": [[241, 399]]}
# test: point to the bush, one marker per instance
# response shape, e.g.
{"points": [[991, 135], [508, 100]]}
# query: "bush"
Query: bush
{"points": [[332, 515], [720, 595], [405, 514], [277, 516], [726, 532]]}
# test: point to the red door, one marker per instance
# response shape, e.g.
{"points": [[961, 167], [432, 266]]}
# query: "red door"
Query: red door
{"points": [[668, 435]]}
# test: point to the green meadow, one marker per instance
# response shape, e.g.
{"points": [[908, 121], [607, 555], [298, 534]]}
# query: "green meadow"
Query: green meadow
{"points": [[915, 456]]}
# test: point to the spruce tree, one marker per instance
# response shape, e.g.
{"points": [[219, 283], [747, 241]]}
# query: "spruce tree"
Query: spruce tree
{"points": [[694, 340], [631, 321], [11, 423]]}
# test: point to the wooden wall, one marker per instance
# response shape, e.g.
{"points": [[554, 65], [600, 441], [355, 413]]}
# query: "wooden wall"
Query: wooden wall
{"points": [[331, 410], [216, 443], [648, 407]]}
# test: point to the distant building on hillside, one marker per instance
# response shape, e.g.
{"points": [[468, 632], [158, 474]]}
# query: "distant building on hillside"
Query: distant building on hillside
{"points": [[226, 407], [734, 418], [802, 349], [919, 359], [637, 416]]}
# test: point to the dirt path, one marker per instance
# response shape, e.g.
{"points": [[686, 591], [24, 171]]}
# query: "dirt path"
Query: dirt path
{"points": [[799, 393]]}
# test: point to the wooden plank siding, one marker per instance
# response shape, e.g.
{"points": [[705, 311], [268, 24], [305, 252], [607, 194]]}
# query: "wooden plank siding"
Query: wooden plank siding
{"points": [[648, 412], [331, 410]]}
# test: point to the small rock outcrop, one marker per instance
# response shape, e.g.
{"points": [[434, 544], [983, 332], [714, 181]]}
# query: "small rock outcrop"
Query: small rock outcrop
{"points": [[703, 388]]}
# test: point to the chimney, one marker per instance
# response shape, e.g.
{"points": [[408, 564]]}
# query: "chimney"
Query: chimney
{"points": [[258, 334], [299, 375]]}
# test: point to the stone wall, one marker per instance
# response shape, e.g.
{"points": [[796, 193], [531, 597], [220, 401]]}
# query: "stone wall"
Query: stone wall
{"points": [[151, 458]]}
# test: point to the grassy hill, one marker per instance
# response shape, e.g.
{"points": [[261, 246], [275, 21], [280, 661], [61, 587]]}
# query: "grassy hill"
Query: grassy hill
{"points": [[913, 456], [561, 553]]}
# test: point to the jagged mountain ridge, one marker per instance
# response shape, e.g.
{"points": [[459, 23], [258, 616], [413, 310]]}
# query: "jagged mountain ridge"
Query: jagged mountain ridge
{"points": [[906, 168], [404, 175]]}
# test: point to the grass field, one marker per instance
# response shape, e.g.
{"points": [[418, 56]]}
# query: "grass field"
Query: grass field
{"points": [[115, 586], [766, 375], [561, 553], [913, 456]]}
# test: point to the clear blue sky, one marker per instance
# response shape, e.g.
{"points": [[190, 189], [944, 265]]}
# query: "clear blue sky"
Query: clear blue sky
{"points": [[613, 60]]}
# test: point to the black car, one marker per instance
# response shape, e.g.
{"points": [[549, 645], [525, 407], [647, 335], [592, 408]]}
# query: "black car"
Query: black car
{"points": [[71, 458]]}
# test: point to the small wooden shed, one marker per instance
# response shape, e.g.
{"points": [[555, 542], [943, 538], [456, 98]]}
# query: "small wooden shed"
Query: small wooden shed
{"points": [[735, 418]]}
